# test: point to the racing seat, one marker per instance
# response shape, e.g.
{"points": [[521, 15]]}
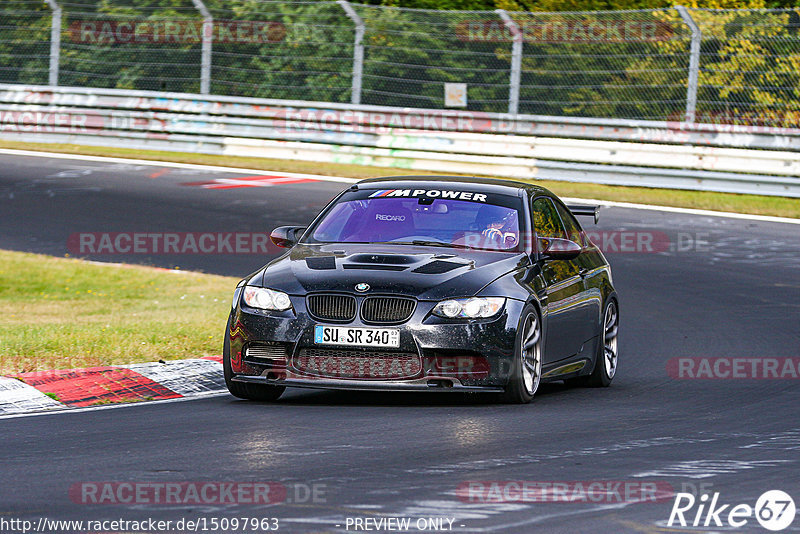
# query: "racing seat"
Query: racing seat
{"points": [[384, 223]]}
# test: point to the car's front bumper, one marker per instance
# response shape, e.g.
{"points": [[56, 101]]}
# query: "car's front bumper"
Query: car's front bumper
{"points": [[435, 384], [477, 354]]}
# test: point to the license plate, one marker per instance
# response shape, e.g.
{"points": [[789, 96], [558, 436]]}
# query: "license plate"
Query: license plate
{"points": [[363, 337]]}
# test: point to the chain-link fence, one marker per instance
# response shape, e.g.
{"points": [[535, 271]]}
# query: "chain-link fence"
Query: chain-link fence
{"points": [[723, 66], [25, 41], [749, 67], [631, 64], [287, 50], [128, 44]]}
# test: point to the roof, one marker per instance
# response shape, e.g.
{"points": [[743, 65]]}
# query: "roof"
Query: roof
{"points": [[487, 184]]}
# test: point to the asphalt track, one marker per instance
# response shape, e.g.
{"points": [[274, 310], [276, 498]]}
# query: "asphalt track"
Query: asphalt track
{"points": [[727, 288]]}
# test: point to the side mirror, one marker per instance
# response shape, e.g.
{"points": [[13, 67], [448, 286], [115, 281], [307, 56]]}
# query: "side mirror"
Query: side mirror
{"points": [[286, 236], [560, 249]]}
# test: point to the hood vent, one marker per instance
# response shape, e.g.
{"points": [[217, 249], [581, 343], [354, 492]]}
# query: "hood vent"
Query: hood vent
{"points": [[383, 259], [374, 267], [438, 267], [320, 263]]}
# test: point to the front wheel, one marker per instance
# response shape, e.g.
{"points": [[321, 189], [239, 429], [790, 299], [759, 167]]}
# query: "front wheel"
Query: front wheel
{"points": [[526, 369], [256, 392]]}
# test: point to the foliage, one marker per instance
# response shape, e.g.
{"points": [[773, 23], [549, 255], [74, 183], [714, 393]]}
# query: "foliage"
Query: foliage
{"points": [[304, 51]]}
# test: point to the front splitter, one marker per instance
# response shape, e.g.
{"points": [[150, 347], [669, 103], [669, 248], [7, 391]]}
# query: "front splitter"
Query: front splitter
{"points": [[430, 383]]}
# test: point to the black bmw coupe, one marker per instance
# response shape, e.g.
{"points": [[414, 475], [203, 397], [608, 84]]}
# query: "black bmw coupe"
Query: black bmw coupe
{"points": [[432, 284]]}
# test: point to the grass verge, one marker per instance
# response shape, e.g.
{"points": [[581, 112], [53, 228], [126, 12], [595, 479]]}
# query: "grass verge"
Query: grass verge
{"points": [[754, 204], [61, 313]]}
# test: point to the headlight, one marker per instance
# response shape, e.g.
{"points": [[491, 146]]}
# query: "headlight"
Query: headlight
{"points": [[237, 293], [472, 308], [266, 299]]}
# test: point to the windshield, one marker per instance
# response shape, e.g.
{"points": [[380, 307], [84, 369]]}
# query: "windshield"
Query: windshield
{"points": [[422, 217]]}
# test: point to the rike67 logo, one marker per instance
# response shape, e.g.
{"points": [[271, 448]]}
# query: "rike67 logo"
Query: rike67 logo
{"points": [[774, 510]]}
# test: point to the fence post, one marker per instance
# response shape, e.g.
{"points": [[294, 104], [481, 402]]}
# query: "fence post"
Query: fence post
{"points": [[694, 63], [358, 50], [516, 61], [205, 53], [55, 42]]}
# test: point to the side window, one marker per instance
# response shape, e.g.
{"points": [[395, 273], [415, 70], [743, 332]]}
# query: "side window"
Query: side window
{"points": [[546, 219], [573, 228]]}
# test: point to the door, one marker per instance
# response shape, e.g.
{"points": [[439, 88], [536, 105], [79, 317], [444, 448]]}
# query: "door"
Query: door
{"points": [[566, 314], [590, 269]]}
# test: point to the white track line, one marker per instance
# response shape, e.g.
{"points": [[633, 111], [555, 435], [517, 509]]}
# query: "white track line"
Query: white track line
{"points": [[341, 179], [689, 211], [239, 170]]}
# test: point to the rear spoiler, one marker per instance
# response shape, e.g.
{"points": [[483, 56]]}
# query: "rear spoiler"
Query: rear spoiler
{"points": [[588, 211]]}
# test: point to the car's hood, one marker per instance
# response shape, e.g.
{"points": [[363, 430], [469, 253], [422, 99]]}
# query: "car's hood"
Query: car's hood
{"points": [[424, 272]]}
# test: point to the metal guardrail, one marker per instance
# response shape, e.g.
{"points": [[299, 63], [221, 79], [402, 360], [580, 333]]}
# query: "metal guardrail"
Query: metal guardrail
{"points": [[617, 152], [362, 118]]}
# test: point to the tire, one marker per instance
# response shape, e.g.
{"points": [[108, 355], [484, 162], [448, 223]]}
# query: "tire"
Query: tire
{"points": [[256, 392], [526, 369], [605, 362]]}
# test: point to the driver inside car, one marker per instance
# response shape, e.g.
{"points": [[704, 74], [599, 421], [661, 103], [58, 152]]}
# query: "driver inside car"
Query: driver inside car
{"points": [[498, 226]]}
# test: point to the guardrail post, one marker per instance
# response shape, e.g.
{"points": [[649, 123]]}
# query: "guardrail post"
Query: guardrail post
{"points": [[694, 63], [358, 50], [55, 42], [516, 61], [205, 53]]}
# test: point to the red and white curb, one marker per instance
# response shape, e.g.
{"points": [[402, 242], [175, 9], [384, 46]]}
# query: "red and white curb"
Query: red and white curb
{"points": [[94, 386], [19, 397]]}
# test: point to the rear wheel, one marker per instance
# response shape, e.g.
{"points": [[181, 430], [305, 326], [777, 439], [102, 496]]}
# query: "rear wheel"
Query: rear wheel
{"points": [[256, 392], [605, 365], [526, 371]]}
